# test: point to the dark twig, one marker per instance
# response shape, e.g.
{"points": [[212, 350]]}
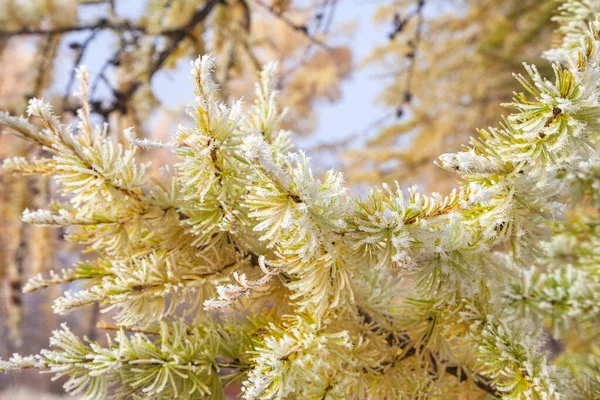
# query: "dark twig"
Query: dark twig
{"points": [[303, 29], [415, 47], [101, 24], [80, 49], [121, 98], [402, 340], [101, 76], [178, 35], [329, 21], [324, 27], [357, 135], [399, 24]]}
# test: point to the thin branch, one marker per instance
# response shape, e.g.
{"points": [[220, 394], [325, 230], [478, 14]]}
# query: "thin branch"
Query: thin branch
{"points": [[298, 28], [340, 144], [121, 98], [410, 349], [178, 35], [399, 25], [101, 76], [80, 48], [250, 53], [45, 64], [330, 16], [101, 24], [415, 47], [319, 27]]}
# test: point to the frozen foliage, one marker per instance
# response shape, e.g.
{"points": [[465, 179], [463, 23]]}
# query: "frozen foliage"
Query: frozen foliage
{"points": [[397, 295]]}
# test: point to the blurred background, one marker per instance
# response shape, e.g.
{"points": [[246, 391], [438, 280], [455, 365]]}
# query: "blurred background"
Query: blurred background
{"points": [[375, 88]]}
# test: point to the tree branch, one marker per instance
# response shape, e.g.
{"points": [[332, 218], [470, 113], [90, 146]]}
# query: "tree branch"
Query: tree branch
{"points": [[298, 28], [101, 24], [80, 49], [121, 98], [177, 35], [402, 341]]}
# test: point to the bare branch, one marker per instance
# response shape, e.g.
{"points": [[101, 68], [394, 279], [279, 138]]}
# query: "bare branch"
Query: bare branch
{"points": [[298, 28]]}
